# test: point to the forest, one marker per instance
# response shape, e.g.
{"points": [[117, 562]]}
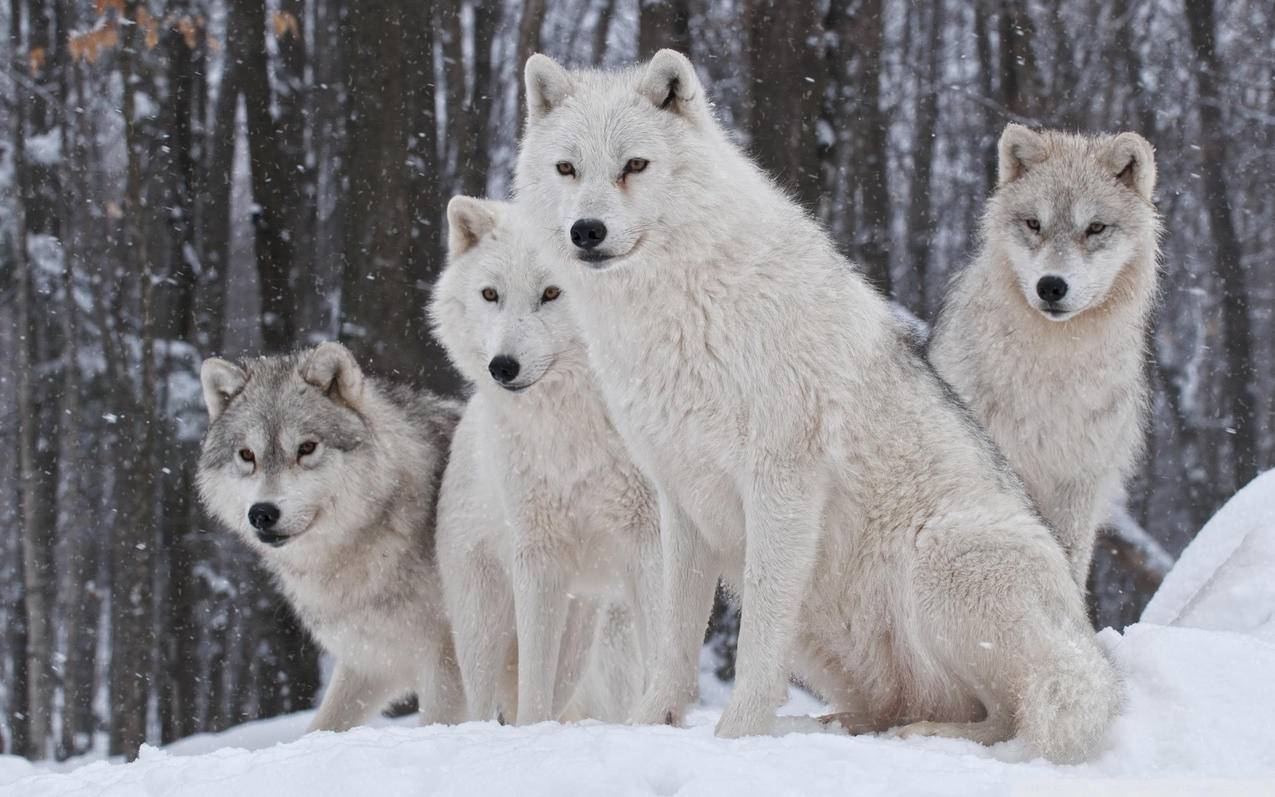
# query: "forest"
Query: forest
{"points": [[182, 178]]}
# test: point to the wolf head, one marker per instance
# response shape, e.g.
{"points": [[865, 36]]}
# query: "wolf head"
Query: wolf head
{"points": [[1070, 214], [605, 154], [284, 435], [496, 309]]}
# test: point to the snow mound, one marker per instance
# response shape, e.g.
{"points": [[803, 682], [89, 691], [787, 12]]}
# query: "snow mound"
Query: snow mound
{"points": [[1199, 717], [1225, 579]]}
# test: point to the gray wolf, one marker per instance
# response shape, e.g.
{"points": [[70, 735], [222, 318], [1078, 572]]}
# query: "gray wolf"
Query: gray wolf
{"points": [[545, 523], [1043, 335], [799, 445], [332, 477]]}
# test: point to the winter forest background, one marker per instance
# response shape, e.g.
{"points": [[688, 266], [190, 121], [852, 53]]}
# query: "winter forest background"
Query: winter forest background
{"points": [[186, 177]]}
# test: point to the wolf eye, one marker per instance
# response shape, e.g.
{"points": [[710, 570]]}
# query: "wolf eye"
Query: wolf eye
{"points": [[246, 455], [1032, 224], [635, 165], [490, 294], [551, 293], [306, 448], [566, 169], [1096, 228]]}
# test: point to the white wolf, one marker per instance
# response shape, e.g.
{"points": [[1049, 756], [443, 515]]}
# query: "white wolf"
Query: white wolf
{"points": [[1044, 334], [332, 477], [798, 443], [542, 517]]}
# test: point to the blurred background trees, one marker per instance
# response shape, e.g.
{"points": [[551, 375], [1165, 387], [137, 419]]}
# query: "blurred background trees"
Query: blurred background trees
{"points": [[186, 177]]}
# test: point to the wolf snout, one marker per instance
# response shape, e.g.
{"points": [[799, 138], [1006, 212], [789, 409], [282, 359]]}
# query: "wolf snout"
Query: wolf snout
{"points": [[1051, 289], [588, 233], [263, 516], [503, 368]]}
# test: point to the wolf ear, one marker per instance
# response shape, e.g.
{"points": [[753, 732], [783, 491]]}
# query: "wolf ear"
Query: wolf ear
{"points": [[222, 380], [548, 84], [468, 220], [1131, 158], [332, 369], [670, 83], [1019, 150]]}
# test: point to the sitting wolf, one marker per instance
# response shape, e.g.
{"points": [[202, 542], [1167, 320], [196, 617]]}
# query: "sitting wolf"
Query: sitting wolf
{"points": [[1044, 334], [543, 518], [332, 478], [799, 444]]}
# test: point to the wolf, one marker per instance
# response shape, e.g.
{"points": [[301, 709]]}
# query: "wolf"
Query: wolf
{"points": [[799, 445], [1044, 334], [544, 521], [332, 477]]}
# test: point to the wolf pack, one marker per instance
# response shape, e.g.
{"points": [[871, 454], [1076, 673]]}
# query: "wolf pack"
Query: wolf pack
{"points": [[677, 381]]}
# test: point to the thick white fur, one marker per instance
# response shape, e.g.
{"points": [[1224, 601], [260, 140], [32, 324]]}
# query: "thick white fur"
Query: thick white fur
{"points": [[1064, 398], [543, 519], [798, 444], [359, 566]]}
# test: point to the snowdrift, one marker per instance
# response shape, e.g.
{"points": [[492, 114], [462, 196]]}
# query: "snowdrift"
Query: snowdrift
{"points": [[1225, 579], [1199, 718]]}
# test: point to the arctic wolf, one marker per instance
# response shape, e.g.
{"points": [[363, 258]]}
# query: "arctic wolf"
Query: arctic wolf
{"points": [[543, 518], [1043, 335], [798, 443], [332, 478]]}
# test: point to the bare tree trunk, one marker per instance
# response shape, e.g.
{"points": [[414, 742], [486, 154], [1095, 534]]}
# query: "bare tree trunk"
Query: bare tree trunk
{"points": [[602, 31], [663, 24], [215, 190], [871, 136], [38, 514], [986, 69], [529, 25], [1020, 78], [787, 90], [273, 182], [920, 223], [1240, 378], [132, 635]]}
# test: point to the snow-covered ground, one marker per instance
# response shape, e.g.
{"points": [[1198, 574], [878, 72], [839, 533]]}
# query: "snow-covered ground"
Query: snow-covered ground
{"points": [[1199, 719]]}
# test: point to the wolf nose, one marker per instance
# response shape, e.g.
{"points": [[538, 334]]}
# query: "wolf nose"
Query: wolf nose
{"points": [[588, 233], [263, 516], [503, 368], [1051, 288]]}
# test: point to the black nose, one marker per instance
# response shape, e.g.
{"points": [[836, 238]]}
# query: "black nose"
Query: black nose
{"points": [[1051, 288], [588, 233], [503, 368], [263, 516]]}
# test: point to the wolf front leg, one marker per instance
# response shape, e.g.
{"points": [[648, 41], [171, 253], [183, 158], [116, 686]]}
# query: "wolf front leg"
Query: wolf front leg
{"points": [[783, 515], [691, 570], [646, 587], [540, 611], [352, 697], [440, 691]]}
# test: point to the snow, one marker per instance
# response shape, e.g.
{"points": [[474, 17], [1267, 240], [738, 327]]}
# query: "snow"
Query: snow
{"points": [[1225, 579], [45, 148], [1199, 717]]}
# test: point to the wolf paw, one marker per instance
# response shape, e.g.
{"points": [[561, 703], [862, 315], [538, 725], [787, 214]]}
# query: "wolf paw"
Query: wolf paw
{"points": [[848, 722], [737, 722], [657, 709], [922, 728], [989, 731]]}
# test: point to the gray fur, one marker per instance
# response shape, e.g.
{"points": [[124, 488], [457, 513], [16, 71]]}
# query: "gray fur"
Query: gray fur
{"points": [[357, 516], [1064, 396]]}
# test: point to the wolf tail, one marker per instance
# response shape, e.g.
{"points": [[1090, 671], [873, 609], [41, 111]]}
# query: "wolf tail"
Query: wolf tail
{"points": [[1069, 700]]}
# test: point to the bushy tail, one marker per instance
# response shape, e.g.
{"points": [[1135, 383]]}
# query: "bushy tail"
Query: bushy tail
{"points": [[1069, 700]]}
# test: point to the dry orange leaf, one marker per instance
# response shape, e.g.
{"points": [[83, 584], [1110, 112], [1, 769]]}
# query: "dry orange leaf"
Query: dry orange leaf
{"points": [[186, 26], [285, 22], [35, 60]]}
